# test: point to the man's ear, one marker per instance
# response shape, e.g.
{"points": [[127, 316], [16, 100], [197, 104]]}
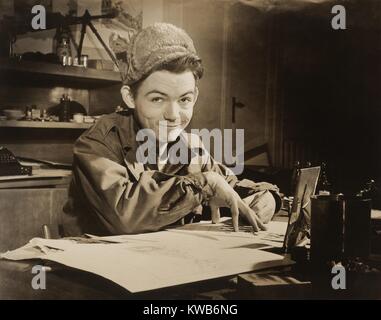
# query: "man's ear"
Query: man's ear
{"points": [[127, 96]]}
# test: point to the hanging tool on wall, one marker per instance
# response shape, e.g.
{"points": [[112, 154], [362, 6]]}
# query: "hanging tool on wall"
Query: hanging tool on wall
{"points": [[236, 104]]}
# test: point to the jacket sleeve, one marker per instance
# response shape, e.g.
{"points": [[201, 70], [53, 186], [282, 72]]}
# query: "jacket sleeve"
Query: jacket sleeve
{"points": [[126, 206]]}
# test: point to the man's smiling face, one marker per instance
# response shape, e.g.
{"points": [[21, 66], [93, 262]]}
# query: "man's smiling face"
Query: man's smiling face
{"points": [[164, 102]]}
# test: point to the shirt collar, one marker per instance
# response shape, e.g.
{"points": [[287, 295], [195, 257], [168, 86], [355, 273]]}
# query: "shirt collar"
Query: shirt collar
{"points": [[128, 126]]}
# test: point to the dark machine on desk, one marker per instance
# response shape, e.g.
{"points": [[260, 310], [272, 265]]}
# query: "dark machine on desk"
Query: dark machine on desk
{"points": [[341, 226], [328, 228]]}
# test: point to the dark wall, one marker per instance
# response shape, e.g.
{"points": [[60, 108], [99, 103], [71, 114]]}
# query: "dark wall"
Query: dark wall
{"points": [[331, 90]]}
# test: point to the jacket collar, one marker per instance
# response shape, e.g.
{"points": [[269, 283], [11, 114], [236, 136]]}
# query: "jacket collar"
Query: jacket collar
{"points": [[127, 128]]}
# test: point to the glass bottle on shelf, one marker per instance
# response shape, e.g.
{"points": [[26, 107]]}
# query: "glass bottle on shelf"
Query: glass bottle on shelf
{"points": [[28, 113], [64, 114], [62, 43]]}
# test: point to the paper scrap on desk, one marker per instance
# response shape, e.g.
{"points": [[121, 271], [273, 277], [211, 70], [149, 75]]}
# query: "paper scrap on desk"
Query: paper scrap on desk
{"points": [[273, 237], [161, 259]]}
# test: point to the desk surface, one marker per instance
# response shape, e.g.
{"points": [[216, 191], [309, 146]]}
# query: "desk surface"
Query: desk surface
{"points": [[67, 283], [17, 277], [149, 261]]}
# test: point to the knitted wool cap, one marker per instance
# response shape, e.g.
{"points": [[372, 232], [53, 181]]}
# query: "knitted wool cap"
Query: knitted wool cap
{"points": [[152, 46]]}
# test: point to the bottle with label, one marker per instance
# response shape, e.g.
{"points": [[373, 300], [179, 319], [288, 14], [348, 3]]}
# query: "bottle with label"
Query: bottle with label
{"points": [[324, 186], [64, 115], [28, 113], [294, 177], [44, 115]]}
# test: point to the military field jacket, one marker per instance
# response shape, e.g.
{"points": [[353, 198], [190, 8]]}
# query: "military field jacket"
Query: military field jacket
{"points": [[113, 193]]}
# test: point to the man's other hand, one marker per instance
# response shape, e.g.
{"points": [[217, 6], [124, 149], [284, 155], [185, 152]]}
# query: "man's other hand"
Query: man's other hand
{"points": [[225, 196]]}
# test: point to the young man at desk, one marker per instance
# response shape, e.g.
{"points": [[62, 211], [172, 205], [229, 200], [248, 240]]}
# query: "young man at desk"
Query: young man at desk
{"points": [[112, 192]]}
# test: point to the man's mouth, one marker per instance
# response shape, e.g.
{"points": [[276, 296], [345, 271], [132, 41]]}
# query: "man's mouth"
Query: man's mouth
{"points": [[171, 125]]}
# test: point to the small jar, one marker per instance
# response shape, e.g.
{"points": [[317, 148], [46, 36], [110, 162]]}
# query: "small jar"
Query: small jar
{"points": [[36, 114], [28, 113], [78, 117]]}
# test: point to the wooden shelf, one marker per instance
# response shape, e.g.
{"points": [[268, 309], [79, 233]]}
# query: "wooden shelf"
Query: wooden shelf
{"points": [[43, 125], [86, 77]]}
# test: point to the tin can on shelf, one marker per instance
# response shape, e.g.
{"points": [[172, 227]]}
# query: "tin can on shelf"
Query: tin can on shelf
{"points": [[84, 60], [326, 229], [64, 60]]}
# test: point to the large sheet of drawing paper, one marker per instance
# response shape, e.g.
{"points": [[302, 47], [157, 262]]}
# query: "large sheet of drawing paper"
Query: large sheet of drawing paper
{"points": [[166, 258]]}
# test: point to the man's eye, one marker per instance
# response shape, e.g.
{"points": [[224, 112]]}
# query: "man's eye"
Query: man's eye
{"points": [[157, 99], [185, 100]]}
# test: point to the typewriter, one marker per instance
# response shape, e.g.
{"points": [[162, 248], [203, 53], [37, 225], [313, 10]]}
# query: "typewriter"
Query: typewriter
{"points": [[10, 166]]}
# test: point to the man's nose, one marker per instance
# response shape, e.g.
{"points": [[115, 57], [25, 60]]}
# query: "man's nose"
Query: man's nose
{"points": [[172, 112]]}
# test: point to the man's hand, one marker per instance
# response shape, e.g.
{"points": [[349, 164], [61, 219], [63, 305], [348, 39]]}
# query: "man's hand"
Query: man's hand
{"points": [[225, 196]]}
